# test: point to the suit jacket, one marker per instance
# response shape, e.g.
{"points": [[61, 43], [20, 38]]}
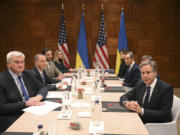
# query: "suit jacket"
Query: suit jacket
{"points": [[52, 71], [160, 103], [11, 102], [122, 69], [47, 80], [61, 66], [133, 76]]}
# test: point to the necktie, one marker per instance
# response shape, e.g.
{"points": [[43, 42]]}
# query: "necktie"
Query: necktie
{"points": [[42, 76], [23, 89], [146, 100]]}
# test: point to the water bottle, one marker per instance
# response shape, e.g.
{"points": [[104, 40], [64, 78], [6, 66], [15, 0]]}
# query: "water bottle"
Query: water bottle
{"points": [[97, 112], [40, 130]]}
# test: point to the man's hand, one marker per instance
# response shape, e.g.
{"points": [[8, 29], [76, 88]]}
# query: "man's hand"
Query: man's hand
{"points": [[134, 106], [35, 101]]}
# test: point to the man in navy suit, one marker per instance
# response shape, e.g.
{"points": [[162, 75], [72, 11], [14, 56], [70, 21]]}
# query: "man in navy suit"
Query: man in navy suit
{"points": [[151, 98], [132, 71], [18, 90], [40, 74]]}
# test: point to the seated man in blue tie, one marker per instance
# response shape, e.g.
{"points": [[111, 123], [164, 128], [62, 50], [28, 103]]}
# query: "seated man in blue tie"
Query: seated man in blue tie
{"points": [[18, 90], [132, 71], [151, 98], [40, 74]]}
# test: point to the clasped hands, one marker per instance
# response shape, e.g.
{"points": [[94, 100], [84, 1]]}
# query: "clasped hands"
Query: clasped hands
{"points": [[35, 101], [133, 106]]}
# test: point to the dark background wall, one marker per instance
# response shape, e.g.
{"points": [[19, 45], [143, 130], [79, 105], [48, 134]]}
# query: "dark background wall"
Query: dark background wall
{"points": [[153, 27]]}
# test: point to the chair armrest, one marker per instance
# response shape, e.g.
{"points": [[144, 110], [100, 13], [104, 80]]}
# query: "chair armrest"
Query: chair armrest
{"points": [[168, 128]]}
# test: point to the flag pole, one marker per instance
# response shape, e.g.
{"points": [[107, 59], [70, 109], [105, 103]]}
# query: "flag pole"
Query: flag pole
{"points": [[62, 6]]}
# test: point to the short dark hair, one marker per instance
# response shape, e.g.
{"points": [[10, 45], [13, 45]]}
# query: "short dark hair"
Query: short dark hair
{"points": [[150, 63], [46, 50], [36, 57], [147, 57], [124, 51], [130, 54]]}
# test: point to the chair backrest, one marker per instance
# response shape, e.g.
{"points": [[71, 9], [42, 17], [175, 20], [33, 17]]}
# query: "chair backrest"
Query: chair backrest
{"points": [[175, 108]]}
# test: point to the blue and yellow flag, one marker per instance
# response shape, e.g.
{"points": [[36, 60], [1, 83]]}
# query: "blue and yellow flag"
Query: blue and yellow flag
{"points": [[82, 51], [122, 43]]}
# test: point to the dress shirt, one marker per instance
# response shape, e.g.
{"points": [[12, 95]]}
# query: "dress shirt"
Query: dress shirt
{"points": [[132, 64], [16, 80], [151, 91]]}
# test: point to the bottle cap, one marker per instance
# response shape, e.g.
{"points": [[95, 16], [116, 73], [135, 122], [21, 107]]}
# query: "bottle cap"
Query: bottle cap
{"points": [[40, 126]]}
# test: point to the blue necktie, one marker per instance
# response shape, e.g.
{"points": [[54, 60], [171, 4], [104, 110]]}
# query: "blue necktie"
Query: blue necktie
{"points": [[23, 89], [146, 100]]}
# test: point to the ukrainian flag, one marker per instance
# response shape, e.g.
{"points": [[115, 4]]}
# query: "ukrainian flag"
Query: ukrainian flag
{"points": [[122, 43], [82, 51]]}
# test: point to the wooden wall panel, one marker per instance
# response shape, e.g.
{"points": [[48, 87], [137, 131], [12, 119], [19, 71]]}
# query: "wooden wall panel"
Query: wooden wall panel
{"points": [[152, 28]]}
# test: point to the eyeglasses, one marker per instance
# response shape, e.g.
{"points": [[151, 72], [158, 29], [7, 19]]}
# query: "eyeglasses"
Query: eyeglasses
{"points": [[18, 62]]}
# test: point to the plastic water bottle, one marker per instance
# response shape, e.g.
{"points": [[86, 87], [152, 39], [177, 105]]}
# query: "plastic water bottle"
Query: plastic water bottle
{"points": [[97, 112], [40, 130]]}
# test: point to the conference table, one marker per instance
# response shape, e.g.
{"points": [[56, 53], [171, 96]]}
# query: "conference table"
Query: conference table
{"points": [[115, 123]]}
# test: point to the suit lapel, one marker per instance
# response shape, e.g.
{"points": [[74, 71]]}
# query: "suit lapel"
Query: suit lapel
{"points": [[39, 76], [27, 84], [13, 87], [141, 93], [155, 93]]}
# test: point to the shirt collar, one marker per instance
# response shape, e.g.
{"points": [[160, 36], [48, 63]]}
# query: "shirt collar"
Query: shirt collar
{"points": [[15, 76], [132, 64], [152, 85]]}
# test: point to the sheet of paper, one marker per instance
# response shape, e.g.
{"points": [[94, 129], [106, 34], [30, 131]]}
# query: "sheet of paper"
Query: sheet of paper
{"points": [[88, 90], [84, 114], [93, 128], [54, 94], [68, 80], [42, 109], [83, 105], [113, 85]]}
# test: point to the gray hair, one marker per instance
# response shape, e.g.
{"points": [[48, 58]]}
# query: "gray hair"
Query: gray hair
{"points": [[130, 54], [148, 57], [36, 57], [14, 53], [150, 63]]}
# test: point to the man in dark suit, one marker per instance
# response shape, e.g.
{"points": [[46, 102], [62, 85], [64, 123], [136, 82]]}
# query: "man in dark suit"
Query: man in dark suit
{"points": [[40, 74], [146, 58], [132, 71], [151, 98], [18, 90], [123, 66]]}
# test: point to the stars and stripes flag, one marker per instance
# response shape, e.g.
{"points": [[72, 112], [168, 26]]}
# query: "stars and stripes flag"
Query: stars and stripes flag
{"points": [[62, 42], [101, 53]]}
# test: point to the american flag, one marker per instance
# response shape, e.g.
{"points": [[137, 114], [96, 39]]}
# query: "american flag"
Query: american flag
{"points": [[101, 53], [62, 43]]}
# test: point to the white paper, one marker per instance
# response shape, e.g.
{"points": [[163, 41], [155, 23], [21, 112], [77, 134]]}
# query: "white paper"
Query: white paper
{"points": [[42, 109], [88, 90], [54, 94], [68, 80], [114, 85], [93, 98], [84, 114], [83, 105], [96, 129], [64, 87]]}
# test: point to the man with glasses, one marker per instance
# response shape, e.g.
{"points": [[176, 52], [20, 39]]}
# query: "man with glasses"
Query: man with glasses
{"points": [[18, 90]]}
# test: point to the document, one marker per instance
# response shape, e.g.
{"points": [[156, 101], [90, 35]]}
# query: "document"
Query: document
{"points": [[54, 94], [42, 109]]}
